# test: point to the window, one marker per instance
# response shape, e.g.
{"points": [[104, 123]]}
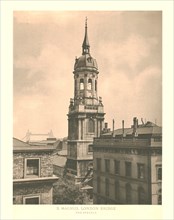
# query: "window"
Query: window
{"points": [[117, 167], [75, 85], [32, 200], [107, 165], [128, 168], [159, 173], [107, 187], [117, 190], [140, 170], [95, 85], [98, 184], [91, 126], [89, 59], [128, 194], [141, 195], [159, 197], [81, 84], [32, 167], [89, 84], [157, 139], [98, 161], [90, 148]]}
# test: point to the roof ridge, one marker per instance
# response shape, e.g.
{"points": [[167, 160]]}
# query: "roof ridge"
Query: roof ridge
{"points": [[22, 141]]}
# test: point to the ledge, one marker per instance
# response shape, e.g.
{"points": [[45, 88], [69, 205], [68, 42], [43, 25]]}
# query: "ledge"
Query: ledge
{"points": [[36, 179]]}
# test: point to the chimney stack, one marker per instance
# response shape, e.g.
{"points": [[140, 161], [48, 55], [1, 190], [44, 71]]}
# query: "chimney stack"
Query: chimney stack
{"points": [[113, 125], [106, 125], [123, 127], [135, 126], [142, 121]]}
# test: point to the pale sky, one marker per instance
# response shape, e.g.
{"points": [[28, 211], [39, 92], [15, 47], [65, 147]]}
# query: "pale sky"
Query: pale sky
{"points": [[128, 50]]}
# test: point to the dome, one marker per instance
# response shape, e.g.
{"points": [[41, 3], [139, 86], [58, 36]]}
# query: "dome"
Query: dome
{"points": [[85, 61]]}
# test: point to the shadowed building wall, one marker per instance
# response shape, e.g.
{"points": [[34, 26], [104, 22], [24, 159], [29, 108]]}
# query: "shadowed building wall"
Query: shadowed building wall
{"points": [[128, 166]]}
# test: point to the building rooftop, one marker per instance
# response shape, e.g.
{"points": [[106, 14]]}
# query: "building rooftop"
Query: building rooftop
{"points": [[59, 160], [19, 145], [142, 129]]}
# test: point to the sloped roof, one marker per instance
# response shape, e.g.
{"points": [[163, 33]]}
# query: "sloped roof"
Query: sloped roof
{"points": [[63, 152], [85, 61], [19, 145], [59, 160]]}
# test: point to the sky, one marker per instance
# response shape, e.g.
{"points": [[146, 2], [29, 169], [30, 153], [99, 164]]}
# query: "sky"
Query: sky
{"points": [[127, 46]]}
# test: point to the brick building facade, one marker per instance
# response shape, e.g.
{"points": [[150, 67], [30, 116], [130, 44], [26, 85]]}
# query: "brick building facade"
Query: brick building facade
{"points": [[32, 173]]}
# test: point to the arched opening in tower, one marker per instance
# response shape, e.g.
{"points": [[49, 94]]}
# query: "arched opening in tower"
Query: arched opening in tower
{"points": [[81, 84], [89, 84]]}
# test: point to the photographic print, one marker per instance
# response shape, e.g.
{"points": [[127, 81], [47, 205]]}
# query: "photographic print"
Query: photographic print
{"points": [[87, 107], [87, 110]]}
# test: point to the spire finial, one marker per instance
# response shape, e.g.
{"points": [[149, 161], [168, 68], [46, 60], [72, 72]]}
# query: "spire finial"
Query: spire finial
{"points": [[85, 45], [86, 20]]}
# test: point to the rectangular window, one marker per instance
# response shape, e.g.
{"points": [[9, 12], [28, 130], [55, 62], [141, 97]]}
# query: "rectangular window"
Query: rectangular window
{"points": [[128, 194], [117, 167], [98, 184], [32, 200], [128, 169], [98, 164], [140, 170], [117, 190], [107, 187], [90, 148], [32, 167], [160, 197], [157, 139], [159, 173], [107, 166]]}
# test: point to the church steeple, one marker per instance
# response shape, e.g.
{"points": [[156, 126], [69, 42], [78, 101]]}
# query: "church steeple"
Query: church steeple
{"points": [[85, 115], [85, 45]]}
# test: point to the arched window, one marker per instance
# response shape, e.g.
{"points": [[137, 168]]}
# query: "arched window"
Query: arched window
{"points": [[95, 85], [91, 126], [128, 194], [81, 84], [89, 84], [141, 196]]}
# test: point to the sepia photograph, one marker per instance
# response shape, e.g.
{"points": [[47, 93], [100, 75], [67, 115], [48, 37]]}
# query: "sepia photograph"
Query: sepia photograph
{"points": [[87, 107], [86, 110]]}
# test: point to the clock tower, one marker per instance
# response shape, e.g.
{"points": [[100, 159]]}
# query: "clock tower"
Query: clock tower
{"points": [[86, 114]]}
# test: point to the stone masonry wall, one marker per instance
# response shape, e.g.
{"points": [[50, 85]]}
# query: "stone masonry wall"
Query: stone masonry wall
{"points": [[43, 190], [46, 165]]}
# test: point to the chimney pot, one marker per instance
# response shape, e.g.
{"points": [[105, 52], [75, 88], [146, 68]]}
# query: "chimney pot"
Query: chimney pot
{"points": [[123, 127], [106, 125]]}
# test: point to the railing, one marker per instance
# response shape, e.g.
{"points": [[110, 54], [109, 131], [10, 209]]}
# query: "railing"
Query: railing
{"points": [[121, 142]]}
